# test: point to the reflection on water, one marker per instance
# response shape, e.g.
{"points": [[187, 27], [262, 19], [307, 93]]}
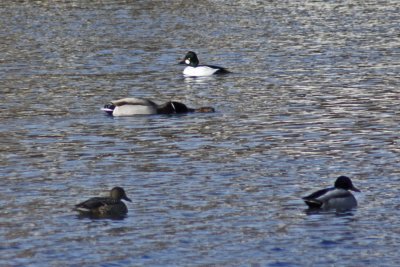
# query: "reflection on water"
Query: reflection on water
{"points": [[313, 95], [203, 80], [324, 213], [101, 217]]}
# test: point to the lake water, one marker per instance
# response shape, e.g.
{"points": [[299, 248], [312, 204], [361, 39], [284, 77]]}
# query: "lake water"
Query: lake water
{"points": [[314, 94]]}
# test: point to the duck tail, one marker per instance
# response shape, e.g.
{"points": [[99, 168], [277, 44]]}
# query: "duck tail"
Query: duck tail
{"points": [[313, 203]]}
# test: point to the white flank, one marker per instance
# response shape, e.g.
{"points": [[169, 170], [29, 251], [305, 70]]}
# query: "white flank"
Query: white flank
{"points": [[129, 110], [199, 71]]}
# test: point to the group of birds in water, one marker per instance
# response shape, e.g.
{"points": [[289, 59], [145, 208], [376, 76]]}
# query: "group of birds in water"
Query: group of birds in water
{"points": [[141, 106], [337, 197]]}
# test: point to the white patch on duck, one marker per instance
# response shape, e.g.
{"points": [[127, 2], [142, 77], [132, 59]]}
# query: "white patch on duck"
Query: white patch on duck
{"points": [[133, 106], [199, 71]]}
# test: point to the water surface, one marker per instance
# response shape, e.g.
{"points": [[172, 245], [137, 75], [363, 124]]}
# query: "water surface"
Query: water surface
{"points": [[313, 95]]}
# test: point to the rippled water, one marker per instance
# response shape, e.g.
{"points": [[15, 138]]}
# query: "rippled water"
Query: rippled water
{"points": [[313, 95]]}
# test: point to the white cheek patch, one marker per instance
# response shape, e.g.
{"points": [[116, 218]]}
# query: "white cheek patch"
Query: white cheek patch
{"points": [[187, 61]]}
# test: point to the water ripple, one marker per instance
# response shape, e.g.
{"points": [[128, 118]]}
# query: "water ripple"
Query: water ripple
{"points": [[313, 95]]}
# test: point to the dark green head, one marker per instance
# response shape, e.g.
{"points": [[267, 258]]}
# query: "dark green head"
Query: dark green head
{"points": [[344, 182], [190, 59]]}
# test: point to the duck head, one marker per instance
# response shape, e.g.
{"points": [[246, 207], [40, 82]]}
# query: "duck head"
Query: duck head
{"points": [[118, 193], [190, 59], [344, 182]]}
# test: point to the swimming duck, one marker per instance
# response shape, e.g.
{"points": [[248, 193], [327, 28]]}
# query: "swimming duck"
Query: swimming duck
{"points": [[337, 197], [193, 68], [105, 206], [141, 106]]}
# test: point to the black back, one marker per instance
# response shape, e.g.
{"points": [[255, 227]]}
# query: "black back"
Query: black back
{"points": [[220, 70], [173, 107], [179, 107], [318, 193]]}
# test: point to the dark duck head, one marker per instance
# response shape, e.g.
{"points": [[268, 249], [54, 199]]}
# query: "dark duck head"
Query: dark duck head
{"points": [[190, 59]]}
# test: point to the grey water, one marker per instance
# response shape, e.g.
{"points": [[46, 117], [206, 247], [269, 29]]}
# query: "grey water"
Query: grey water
{"points": [[313, 94]]}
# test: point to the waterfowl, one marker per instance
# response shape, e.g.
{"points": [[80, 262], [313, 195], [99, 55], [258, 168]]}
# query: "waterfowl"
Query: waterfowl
{"points": [[193, 68], [141, 106], [337, 197], [105, 206]]}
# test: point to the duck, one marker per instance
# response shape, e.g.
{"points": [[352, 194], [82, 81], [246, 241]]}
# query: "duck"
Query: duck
{"points": [[105, 206], [338, 197], [193, 68], [142, 106]]}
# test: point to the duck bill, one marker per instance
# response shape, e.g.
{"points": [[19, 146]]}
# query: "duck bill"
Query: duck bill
{"points": [[182, 62], [355, 189], [127, 198]]}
